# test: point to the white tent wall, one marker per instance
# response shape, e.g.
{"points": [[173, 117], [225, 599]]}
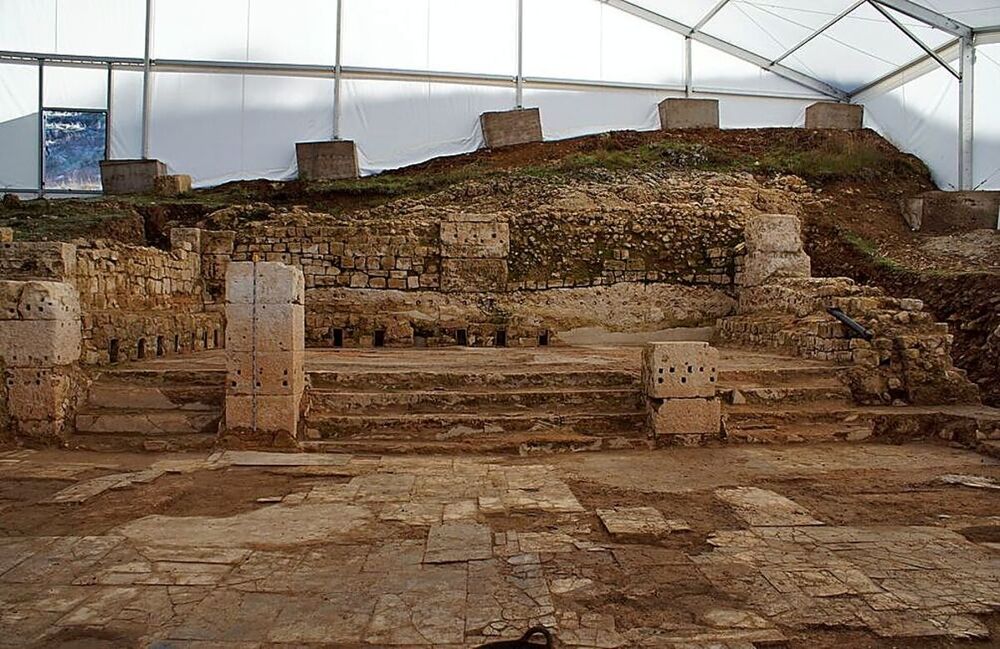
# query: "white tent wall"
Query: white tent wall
{"points": [[986, 152], [125, 119], [18, 126], [76, 27]]}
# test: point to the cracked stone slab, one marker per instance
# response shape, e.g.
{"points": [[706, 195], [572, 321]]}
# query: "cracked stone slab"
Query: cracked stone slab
{"points": [[764, 508], [454, 542], [974, 481], [639, 522]]}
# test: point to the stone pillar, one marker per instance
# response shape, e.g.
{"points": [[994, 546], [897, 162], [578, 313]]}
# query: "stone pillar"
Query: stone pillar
{"points": [[773, 250], [334, 160], [830, 114], [679, 379], [509, 127], [678, 112], [265, 344], [40, 342], [474, 251]]}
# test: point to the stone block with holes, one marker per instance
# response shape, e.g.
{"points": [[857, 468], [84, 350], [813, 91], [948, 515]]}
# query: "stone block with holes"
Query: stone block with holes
{"points": [[265, 344], [680, 370]]}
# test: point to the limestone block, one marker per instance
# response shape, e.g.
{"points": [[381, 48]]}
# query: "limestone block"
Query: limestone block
{"points": [[506, 128], [240, 282], [828, 114], [682, 112], [239, 327], [335, 160], [773, 233], [279, 327], [473, 275], [484, 239], [10, 299], [760, 268], [44, 260], [279, 373], [680, 370], [38, 394], [686, 417], [130, 176], [173, 185], [277, 283], [49, 301], [190, 236], [240, 412], [6, 235], [39, 343], [218, 242], [278, 413]]}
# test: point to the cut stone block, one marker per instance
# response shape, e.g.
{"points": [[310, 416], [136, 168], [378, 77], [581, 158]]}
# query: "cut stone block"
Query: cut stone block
{"points": [[38, 394], [39, 343], [765, 508], [241, 412], [186, 239], [239, 327], [335, 160], [277, 283], [279, 327], [686, 417], [506, 128], [680, 370], [41, 260], [240, 282], [278, 413], [638, 522], [773, 233], [677, 112], [473, 275], [6, 235], [488, 239], [173, 185], [760, 268], [131, 176], [455, 542], [828, 114], [48, 301], [279, 373], [218, 242]]}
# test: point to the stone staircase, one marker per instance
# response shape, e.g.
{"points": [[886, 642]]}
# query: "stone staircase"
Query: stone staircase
{"points": [[151, 411], [520, 411]]}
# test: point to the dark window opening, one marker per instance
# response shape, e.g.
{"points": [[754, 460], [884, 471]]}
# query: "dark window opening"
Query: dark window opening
{"points": [[140, 349], [204, 340], [379, 339], [501, 338], [543, 339], [215, 339], [338, 337], [177, 343], [75, 144], [462, 337], [113, 350], [160, 350], [193, 341]]}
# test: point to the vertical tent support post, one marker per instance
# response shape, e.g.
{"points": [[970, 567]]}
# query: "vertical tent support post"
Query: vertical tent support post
{"points": [[966, 90], [688, 83], [520, 54], [107, 116], [41, 128], [337, 71], [147, 87]]}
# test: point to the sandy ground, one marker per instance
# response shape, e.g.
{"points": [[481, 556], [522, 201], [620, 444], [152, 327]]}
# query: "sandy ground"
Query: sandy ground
{"points": [[858, 545]]}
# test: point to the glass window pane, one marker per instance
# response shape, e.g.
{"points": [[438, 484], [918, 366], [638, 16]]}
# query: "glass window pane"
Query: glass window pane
{"points": [[74, 147]]}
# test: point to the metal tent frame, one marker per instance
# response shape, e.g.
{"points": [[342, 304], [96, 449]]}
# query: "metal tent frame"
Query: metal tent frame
{"points": [[961, 48]]}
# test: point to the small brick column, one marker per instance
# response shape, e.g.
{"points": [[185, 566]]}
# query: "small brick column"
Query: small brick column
{"points": [[40, 341], [265, 343], [679, 379]]}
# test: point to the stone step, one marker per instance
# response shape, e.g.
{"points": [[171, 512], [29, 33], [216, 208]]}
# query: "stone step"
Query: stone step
{"points": [[104, 395], [328, 402], [792, 433], [776, 395], [519, 443], [162, 378], [466, 427], [143, 443], [470, 381], [818, 376], [148, 423]]}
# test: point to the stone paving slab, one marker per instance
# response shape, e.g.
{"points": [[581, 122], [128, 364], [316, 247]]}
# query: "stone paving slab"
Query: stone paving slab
{"points": [[259, 458], [455, 541], [764, 508], [639, 522]]}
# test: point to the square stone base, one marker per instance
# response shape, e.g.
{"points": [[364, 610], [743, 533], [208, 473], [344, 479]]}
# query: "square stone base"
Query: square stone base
{"points": [[670, 417], [336, 160], [131, 176], [689, 113], [684, 370], [511, 127], [827, 114], [173, 185]]}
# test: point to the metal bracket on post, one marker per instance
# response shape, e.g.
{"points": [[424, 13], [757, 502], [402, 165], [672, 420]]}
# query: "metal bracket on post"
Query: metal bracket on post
{"points": [[337, 72], [966, 103]]}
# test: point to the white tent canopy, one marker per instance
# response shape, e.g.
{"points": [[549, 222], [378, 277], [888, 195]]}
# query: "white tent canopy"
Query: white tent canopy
{"points": [[223, 89]]}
